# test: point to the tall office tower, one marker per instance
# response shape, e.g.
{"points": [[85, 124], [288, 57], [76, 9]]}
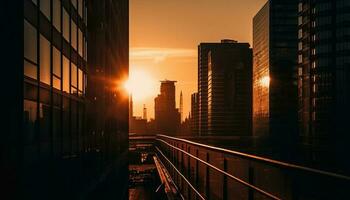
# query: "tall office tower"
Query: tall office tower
{"points": [[229, 89], [203, 50], [274, 75], [181, 107], [47, 151], [324, 63], [167, 117], [194, 114]]}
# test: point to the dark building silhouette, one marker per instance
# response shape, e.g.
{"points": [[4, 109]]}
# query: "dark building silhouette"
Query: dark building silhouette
{"points": [[203, 50], [324, 81], [167, 117], [274, 75], [61, 125], [194, 114], [229, 89]]}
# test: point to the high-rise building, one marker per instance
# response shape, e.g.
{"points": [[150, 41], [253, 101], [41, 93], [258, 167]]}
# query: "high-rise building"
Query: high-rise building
{"points": [[203, 50], [324, 81], [167, 117], [194, 114], [275, 74], [47, 149], [229, 89]]}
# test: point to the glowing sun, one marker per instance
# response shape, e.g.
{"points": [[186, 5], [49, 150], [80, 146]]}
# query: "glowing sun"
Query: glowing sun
{"points": [[140, 85]]}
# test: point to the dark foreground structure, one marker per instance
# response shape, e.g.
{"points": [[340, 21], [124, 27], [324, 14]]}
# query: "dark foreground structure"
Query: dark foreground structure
{"points": [[63, 64]]}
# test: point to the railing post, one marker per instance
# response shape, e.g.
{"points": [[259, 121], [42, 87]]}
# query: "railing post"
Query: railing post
{"points": [[189, 172], [197, 171], [251, 181], [224, 192], [207, 186]]}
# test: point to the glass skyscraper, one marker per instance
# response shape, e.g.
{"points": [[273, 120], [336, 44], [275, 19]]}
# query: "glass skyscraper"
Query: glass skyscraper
{"points": [[49, 147], [324, 63], [275, 75]]}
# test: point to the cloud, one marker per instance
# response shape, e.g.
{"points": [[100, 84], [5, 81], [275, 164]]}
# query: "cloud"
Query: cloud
{"points": [[160, 54]]}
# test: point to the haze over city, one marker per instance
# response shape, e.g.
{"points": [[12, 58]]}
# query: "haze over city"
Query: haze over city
{"points": [[164, 35]]}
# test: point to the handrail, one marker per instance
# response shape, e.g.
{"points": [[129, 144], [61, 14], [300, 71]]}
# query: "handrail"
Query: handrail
{"points": [[261, 159], [187, 181], [261, 191]]}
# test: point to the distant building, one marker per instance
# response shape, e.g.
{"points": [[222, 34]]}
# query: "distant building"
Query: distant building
{"points": [[203, 50], [324, 82], [229, 89], [194, 114], [138, 125], [167, 117], [274, 74]]}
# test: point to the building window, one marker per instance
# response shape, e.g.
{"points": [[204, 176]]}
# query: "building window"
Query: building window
{"points": [[45, 7], [74, 3], [45, 58], [66, 25], [81, 40], [74, 78], [80, 8], [57, 14], [80, 82], [30, 50], [65, 74], [56, 75], [73, 34]]}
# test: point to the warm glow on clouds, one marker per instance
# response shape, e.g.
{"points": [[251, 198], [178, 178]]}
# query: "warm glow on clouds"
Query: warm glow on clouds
{"points": [[160, 54]]}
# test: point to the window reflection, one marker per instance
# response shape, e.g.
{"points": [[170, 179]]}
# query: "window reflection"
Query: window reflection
{"points": [[56, 76], [80, 43], [65, 77], [57, 14], [73, 34], [74, 78], [45, 58], [45, 7], [80, 83], [65, 25], [30, 42]]}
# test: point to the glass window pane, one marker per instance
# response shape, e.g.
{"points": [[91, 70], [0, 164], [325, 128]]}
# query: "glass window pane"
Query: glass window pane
{"points": [[80, 5], [74, 34], [74, 2], [45, 58], [74, 75], [56, 62], [30, 119], [57, 14], [65, 25], [80, 80], [30, 42], [80, 43], [45, 7], [30, 70], [65, 77], [56, 82]]}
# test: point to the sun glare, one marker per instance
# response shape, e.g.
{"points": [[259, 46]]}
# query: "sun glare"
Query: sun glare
{"points": [[140, 85]]}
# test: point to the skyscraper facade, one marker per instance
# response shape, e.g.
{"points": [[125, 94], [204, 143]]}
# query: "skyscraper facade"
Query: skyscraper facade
{"points": [[275, 74], [167, 117], [229, 89], [324, 63], [48, 151]]}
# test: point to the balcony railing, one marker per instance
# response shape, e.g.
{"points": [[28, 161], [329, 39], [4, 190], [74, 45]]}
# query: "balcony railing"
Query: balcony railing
{"points": [[205, 172]]}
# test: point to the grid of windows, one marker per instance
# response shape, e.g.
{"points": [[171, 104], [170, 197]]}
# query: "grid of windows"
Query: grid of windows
{"points": [[62, 79]]}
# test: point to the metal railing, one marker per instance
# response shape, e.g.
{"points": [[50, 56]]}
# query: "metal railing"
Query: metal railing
{"points": [[206, 172]]}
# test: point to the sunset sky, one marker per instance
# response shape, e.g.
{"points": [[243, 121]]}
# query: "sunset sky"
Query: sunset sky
{"points": [[164, 35]]}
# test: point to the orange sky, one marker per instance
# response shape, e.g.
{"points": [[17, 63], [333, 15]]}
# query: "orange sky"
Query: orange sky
{"points": [[164, 35]]}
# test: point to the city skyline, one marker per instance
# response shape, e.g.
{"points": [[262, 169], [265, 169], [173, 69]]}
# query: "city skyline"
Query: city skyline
{"points": [[163, 44]]}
